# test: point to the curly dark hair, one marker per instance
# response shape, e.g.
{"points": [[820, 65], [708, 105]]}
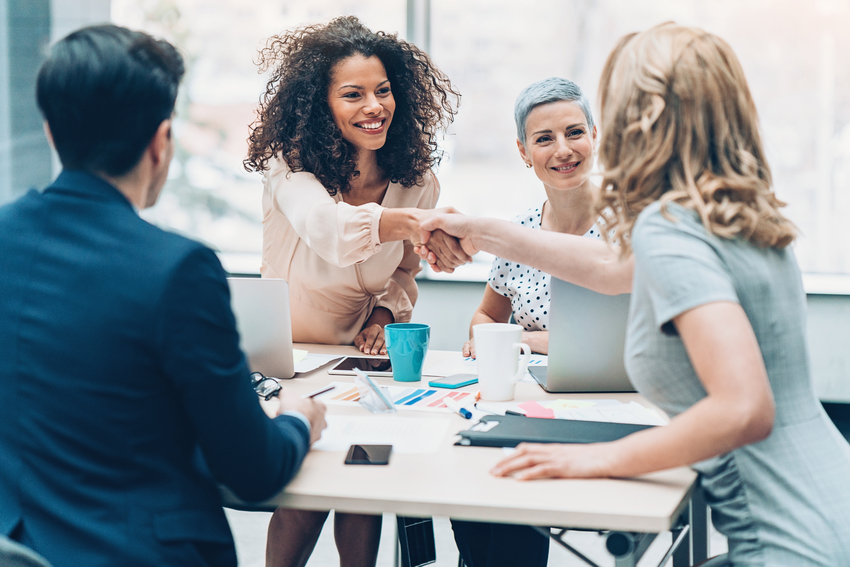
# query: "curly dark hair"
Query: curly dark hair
{"points": [[294, 120]]}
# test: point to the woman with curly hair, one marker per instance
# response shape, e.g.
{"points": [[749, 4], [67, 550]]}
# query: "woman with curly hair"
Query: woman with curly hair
{"points": [[346, 139], [716, 333]]}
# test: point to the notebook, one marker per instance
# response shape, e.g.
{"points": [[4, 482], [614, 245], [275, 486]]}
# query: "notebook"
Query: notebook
{"points": [[587, 338], [261, 307], [511, 430]]}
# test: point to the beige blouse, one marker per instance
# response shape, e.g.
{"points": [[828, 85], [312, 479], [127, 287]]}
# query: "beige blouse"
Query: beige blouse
{"points": [[331, 255]]}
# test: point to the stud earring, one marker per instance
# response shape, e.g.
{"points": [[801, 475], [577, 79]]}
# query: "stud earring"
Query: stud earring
{"points": [[528, 165]]}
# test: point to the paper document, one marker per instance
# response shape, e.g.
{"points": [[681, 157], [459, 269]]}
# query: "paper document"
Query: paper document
{"points": [[459, 364], [312, 361], [405, 434]]}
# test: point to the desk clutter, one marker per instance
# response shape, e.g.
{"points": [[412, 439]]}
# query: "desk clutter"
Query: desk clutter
{"points": [[403, 397], [434, 399]]}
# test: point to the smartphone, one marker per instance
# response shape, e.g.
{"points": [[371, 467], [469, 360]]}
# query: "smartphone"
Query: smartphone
{"points": [[454, 381], [373, 366], [368, 455]]}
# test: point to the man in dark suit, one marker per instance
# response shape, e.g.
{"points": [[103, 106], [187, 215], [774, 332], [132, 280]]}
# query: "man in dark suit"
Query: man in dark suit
{"points": [[124, 396]]}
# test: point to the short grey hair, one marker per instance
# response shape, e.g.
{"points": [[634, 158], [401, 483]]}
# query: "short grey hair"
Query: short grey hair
{"points": [[553, 89]]}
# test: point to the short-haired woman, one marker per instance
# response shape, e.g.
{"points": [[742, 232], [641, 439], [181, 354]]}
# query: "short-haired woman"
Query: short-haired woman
{"points": [[556, 137]]}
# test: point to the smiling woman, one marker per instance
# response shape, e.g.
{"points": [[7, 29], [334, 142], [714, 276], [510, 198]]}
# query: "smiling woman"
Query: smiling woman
{"points": [[361, 101], [345, 138]]}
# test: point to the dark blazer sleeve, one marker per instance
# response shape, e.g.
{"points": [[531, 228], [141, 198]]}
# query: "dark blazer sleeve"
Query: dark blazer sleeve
{"points": [[199, 347]]}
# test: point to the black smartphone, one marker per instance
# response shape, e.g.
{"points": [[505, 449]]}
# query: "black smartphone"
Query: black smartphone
{"points": [[373, 366], [454, 381], [368, 455]]}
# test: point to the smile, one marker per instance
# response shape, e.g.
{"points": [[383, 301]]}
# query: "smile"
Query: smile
{"points": [[567, 168], [375, 127]]}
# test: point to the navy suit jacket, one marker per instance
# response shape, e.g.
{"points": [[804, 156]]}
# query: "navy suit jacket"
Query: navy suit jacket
{"points": [[124, 395]]}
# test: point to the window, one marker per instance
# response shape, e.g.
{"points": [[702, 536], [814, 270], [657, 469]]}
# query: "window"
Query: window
{"points": [[797, 59], [209, 195]]}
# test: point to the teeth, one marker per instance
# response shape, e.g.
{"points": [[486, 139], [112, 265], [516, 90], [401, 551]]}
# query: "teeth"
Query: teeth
{"points": [[371, 126]]}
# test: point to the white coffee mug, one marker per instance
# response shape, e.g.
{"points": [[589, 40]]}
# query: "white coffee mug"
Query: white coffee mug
{"points": [[497, 348]]}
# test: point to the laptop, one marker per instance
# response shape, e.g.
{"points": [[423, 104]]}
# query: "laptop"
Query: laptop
{"points": [[261, 307], [587, 339]]}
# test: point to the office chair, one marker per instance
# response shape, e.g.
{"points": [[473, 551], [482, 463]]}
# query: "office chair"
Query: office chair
{"points": [[13, 554]]}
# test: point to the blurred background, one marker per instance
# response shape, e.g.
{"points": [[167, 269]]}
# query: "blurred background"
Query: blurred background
{"points": [[795, 56]]}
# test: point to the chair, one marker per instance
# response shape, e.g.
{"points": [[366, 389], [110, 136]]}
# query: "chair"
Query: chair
{"points": [[416, 546], [13, 554]]}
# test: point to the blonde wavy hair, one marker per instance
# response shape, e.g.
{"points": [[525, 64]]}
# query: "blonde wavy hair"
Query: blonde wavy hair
{"points": [[679, 125]]}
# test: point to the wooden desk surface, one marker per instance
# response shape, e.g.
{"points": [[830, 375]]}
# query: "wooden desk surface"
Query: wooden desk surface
{"points": [[455, 482]]}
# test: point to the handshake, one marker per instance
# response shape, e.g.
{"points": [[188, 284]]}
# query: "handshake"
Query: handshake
{"points": [[446, 239]]}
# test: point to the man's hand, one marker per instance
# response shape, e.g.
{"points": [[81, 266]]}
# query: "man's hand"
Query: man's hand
{"points": [[313, 410]]}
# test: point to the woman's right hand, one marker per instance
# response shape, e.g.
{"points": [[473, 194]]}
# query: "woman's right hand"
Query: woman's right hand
{"points": [[445, 252], [469, 348]]}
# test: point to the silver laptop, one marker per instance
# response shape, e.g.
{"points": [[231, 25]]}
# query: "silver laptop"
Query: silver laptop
{"points": [[261, 307], [587, 338]]}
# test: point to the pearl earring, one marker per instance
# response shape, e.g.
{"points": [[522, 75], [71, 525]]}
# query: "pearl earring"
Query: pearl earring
{"points": [[528, 165]]}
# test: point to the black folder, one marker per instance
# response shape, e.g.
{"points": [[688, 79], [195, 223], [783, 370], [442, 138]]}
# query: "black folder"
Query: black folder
{"points": [[511, 430]]}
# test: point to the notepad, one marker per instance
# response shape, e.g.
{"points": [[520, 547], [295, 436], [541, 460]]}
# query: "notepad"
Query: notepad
{"points": [[510, 431]]}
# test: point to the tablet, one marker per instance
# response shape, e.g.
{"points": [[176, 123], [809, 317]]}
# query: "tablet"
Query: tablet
{"points": [[374, 366]]}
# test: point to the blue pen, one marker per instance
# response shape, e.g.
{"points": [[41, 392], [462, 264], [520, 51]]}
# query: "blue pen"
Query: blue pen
{"points": [[455, 406]]}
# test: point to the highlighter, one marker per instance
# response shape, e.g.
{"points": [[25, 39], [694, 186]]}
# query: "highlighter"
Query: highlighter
{"points": [[455, 406]]}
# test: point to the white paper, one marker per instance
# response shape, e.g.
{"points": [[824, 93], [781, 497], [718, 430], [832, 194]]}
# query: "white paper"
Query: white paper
{"points": [[458, 364], [313, 361], [405, 434], [617, 412]]}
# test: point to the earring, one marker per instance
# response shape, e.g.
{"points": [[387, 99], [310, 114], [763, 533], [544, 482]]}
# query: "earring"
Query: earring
{"points": [[528, 165]]}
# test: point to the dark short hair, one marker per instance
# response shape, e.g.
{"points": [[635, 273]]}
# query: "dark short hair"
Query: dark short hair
{"points": [[104, 90]]}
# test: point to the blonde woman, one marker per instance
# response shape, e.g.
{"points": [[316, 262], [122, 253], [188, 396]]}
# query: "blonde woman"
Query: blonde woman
{"points": [[717, 327]]}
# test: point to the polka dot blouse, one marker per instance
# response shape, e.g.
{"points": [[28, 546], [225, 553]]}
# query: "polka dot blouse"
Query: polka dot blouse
{"points": [[527, 288]]}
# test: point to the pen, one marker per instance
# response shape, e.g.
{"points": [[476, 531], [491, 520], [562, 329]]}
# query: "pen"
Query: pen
{"points": [[319, 391], [455, 406]]}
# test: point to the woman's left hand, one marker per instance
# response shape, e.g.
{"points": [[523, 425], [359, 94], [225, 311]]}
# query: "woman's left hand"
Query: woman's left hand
{"points": [[553, 460], [371, 340]]}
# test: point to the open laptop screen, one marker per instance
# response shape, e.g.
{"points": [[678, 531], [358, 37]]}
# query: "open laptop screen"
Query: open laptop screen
{"points": [[587, 338]]}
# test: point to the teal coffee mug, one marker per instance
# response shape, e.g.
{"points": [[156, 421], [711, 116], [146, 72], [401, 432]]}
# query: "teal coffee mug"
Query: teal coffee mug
{"points": [[407, 344]]}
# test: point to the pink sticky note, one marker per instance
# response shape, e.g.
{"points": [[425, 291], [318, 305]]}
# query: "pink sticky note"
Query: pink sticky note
{"points": [[533, 409]]}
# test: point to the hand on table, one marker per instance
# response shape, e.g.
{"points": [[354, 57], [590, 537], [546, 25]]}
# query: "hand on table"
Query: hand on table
{"points": [[371, 340], [554, 460], [469, 348]]}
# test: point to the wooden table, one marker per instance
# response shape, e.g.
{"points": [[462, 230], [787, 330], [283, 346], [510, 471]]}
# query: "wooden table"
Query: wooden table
{"points": [[455, 482]]}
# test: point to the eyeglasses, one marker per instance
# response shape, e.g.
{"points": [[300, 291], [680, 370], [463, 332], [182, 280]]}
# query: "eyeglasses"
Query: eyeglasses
{"points": [[265, 387]]}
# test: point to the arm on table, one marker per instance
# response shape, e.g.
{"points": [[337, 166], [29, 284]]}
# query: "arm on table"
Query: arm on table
{"points": [[582, 261], [737, 410], [198, 346], [371, 338]]}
